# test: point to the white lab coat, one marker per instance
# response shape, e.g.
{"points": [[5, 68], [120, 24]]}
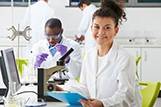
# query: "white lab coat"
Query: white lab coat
{"points": [[113, 82], [36, 16], [74, 66], [85, 25]]}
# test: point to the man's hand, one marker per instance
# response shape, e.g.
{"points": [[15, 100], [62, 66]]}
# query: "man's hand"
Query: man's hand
{"points": [[79, 39], [39, 59], [61, 48], [91, 103]]}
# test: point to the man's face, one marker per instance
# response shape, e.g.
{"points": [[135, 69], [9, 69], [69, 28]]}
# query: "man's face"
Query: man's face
{"points": [[81, 8], [53, 35]]}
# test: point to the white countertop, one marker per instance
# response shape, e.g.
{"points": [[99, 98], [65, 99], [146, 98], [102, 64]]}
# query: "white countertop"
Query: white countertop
{"points": [[60, 104], [56, 104], [32, 97]]}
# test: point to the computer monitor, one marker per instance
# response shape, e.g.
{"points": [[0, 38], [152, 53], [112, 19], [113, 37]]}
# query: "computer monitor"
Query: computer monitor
{"points": [[4, 80], [11, 68], [3, 72]]}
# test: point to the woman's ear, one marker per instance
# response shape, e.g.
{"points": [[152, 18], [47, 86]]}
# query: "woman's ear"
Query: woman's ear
{"points": [[116, 29]]}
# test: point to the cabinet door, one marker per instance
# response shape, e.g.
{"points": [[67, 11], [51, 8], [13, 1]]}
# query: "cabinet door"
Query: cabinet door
{"points": [[151, 64], [136, 52], [133, 51]]}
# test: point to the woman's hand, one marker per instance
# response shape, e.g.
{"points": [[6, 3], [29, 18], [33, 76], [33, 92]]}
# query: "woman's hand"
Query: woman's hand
{"points": [[91, 103], [57, 88]]}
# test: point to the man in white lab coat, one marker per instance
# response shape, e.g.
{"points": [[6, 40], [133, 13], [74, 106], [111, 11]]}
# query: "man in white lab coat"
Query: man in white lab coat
{"points": [[36, 16], [85, 24], [46, 52]]}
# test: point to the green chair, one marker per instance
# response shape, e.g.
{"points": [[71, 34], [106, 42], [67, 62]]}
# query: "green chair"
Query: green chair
{"points": [[20, 65], [138, 59], [149, 92]]}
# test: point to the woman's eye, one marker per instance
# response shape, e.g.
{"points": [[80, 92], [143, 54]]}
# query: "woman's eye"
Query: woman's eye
{"points": [[107, 28], [96, 27]]}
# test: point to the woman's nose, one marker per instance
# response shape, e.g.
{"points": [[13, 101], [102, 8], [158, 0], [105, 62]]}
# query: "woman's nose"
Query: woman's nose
{"points": [[101, 31]]}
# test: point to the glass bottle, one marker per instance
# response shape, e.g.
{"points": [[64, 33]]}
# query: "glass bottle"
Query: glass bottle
{"points": [[10, 100]]}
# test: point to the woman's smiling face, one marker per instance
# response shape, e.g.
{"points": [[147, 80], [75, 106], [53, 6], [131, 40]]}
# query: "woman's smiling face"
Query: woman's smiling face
{"points": [[104, 30]]}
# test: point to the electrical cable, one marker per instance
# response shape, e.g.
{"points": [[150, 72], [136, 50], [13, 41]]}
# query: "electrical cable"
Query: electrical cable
{"points": [[26, 92]]}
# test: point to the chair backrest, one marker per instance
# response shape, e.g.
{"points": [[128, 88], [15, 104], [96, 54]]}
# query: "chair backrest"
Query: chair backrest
{"points": [[20, 65], [150, 92]]}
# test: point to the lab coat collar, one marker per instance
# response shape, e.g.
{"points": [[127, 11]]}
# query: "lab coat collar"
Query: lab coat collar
{"points": [[110, 56], [93, 59]]}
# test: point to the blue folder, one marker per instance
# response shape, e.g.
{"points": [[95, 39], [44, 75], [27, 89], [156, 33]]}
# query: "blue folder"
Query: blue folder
{"points": [[71, 98]]}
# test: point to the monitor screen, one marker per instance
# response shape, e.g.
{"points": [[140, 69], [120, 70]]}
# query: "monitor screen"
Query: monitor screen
{"points": [[3, 79], [11, 68], [3, 72]]}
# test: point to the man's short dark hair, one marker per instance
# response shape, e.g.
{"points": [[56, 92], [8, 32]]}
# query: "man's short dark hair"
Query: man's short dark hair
{"points": [[81, 2], [53, 22]]}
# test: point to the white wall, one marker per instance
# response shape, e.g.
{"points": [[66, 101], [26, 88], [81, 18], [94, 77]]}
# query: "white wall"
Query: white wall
{"points": [[69, 16], [142, 22], [6, 18]]}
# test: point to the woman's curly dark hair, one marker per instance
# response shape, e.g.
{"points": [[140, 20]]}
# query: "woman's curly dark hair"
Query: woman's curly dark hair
{"points": [[111, 8]]}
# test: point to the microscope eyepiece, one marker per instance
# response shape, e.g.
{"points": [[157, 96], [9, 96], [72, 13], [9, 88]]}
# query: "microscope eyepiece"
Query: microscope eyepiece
{"points": [[61, 61]]}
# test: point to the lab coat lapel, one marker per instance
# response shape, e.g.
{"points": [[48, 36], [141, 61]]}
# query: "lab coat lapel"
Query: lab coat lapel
{"points": [[93, 70], [111, 55]]}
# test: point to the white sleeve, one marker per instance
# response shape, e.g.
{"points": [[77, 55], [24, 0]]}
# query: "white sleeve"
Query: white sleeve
{"points": [[84, 24], [125, 95], [74, 86]]}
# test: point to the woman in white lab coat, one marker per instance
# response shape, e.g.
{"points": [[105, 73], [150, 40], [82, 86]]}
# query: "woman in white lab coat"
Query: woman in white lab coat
{"points": [[53, 34], [85, 23], [108, 71]]}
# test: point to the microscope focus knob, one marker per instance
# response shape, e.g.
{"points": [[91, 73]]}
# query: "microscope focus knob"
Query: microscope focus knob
{"points": [[50, 87]]}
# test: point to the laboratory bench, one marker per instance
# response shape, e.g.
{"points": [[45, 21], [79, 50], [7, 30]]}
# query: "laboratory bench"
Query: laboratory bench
{"points": [[32, 97]]}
